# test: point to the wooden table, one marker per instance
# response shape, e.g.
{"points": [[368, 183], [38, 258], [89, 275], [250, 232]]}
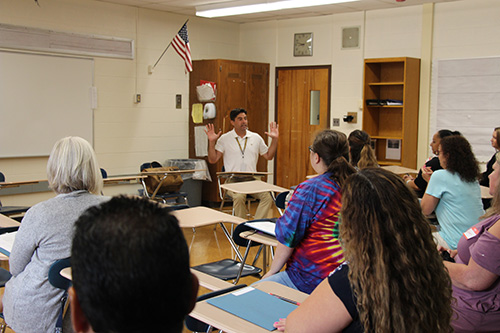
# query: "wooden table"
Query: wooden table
{"points": [[232, 324], [253, 186]]}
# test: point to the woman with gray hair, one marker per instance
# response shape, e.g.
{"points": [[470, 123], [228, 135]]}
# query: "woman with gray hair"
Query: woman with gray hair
{"points": [[30, 303]]}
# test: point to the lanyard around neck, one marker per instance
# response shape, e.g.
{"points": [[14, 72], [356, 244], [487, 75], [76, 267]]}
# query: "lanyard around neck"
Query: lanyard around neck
{"points": [[244, 148]]}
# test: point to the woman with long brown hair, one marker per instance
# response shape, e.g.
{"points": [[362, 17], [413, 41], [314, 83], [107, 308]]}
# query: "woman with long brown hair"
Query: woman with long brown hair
{"points": [[393, 280]]}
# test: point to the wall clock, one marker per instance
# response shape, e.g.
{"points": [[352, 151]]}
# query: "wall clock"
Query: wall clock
{"points": [[303, 44]]}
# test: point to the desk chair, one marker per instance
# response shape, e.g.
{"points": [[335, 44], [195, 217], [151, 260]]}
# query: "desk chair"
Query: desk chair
{"points": [[170, 198], [4, 277], [196, 325], [231, 269], [11, 210], [60, 282], [280, 202]]}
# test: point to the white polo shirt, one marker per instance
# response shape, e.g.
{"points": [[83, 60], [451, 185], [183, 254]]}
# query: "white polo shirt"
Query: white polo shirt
{"points": [[241, 154]]}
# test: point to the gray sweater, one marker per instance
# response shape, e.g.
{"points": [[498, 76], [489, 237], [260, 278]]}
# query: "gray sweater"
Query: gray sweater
{"points": [[31, 304]]}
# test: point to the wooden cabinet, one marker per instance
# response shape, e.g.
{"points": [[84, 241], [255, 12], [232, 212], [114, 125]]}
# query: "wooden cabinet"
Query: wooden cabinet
{"points": [[390, 111], [239, 85]]}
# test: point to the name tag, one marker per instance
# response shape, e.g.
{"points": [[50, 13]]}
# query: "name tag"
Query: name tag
{"points": [[472, 232]]}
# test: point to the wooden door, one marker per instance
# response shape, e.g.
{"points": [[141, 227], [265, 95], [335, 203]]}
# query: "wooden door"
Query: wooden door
{"points": [[293, 98]]}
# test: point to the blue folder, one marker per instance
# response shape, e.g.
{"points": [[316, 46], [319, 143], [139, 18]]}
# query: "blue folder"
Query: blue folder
{"points": [[255, 306]]}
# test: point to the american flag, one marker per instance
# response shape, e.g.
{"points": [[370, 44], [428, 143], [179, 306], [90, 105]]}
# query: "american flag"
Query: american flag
{"points": [[181, 46]]}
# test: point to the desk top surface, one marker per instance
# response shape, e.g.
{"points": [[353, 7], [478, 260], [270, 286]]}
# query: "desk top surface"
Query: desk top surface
{"points": [[253, 186], [200, 216], [232, 324], [485, 192], [170, 172], [16, 184], [8, 222], [399, 170], [243, 173], [122, 179], [259, 237]]}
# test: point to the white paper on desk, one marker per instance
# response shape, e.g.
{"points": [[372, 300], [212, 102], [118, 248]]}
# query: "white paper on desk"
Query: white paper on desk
{"points": [[6, 242], [264, 226], [200, 141]]}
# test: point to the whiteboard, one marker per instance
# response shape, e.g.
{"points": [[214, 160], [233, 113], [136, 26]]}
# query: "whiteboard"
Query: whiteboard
{"points": [[466, 97], [43, 98]]}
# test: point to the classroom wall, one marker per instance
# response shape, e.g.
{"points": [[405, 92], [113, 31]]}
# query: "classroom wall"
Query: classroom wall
{"points": [[127, 134]]}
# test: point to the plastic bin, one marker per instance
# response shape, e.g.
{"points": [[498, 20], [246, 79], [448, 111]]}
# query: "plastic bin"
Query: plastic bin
{"points": [[192, 181]]}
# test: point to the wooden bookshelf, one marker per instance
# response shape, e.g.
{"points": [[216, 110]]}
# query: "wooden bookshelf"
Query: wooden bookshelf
{"points": [[392, 80]]}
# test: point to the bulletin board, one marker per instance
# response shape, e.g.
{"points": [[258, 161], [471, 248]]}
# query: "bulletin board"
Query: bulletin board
{"points": [[465, 97], [43, 98]]}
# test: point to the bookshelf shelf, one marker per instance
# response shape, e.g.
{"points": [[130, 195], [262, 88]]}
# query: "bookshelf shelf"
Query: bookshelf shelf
{"points": [[392, 79]]}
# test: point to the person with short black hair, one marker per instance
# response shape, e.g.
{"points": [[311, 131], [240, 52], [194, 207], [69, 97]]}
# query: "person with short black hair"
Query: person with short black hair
{"points": [[240, 149], [130, 269]]}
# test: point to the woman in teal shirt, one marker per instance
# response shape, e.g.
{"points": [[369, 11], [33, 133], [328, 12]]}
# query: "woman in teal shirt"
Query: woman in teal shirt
{"points": [[454, 193]]}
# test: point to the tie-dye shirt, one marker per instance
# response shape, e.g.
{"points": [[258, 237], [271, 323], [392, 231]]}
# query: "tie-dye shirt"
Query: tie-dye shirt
{"points": [[310, 225]]}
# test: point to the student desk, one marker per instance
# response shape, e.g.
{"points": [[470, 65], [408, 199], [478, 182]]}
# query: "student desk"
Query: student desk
{"points": [[207, 281], [485, 192], [165, 174], [262, 238], [253, 186], [124, 179], [399, 170], [17, 184], [7, 222], [232, 324], [201, 216]]}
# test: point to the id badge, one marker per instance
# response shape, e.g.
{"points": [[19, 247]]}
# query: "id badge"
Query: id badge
{"points": [[471, 233]]}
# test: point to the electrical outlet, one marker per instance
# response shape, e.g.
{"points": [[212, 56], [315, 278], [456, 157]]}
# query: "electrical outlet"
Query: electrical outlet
{"points": [[178, 101], [336, 122]]}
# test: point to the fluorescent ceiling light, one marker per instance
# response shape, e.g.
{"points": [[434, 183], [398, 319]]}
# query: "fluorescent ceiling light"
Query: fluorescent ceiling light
{"points": [[266, 7]]}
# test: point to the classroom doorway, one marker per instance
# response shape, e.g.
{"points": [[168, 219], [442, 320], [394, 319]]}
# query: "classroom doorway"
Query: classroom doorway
{"points": [[302, 109]]}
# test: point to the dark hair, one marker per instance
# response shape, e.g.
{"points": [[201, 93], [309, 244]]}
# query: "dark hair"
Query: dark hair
{"points": [[332, 148], [395, 272], [130, 265], [459, 157], [235, 112], [444, 133], [361, 152]]}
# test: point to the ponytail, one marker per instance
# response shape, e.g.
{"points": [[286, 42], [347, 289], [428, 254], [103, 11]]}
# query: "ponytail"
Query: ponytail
{"points": [[340, 169], [367, 157]]}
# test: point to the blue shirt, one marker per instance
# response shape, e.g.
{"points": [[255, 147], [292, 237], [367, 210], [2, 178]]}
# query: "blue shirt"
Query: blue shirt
{"points": [[459, 206]]}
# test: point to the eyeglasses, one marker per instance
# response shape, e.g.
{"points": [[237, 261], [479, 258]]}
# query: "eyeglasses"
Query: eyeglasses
{"points": [[311, 149]]}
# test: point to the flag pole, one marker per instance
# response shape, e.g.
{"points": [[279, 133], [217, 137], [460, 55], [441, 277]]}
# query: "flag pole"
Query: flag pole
{"points": [[151, 68]]}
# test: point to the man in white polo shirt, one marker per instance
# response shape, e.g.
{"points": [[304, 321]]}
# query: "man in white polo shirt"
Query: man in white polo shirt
{"points": [[241, 149]]}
